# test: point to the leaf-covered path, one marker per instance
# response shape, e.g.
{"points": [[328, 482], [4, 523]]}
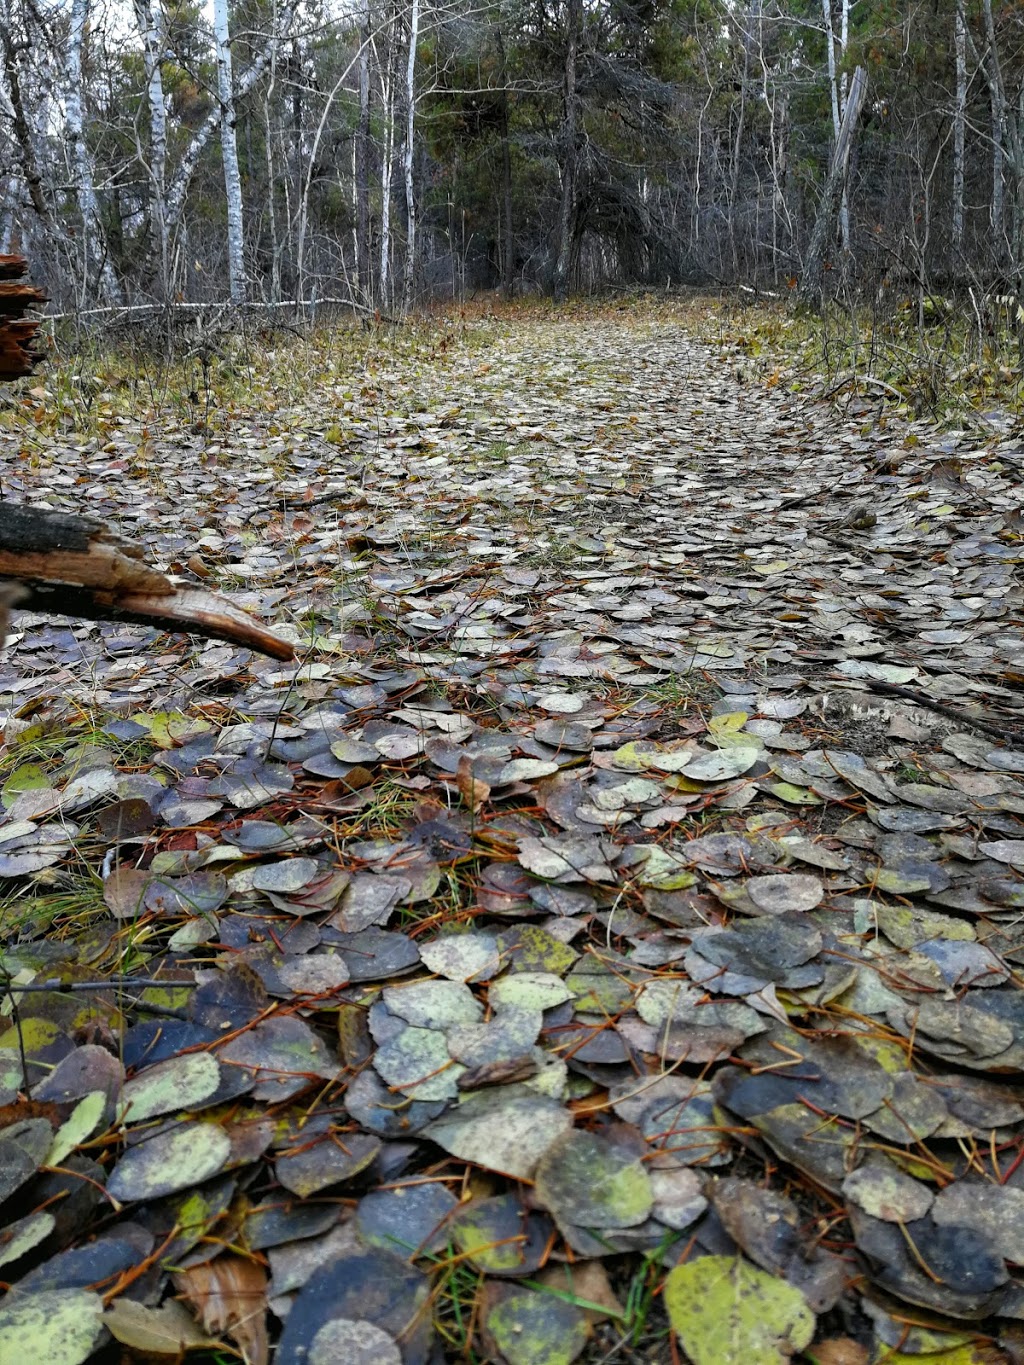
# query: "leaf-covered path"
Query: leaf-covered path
{"points": [[613, 922]]}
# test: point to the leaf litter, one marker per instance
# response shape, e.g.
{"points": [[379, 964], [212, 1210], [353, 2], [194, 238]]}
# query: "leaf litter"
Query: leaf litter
{"points": [[610, 930]]}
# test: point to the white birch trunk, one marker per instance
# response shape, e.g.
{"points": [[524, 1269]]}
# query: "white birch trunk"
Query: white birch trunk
{"points": [[178, 189], [407, 156], [361, 159], [837, 94], [386, 169], [93, 249], [150, 24], [229, 152]]}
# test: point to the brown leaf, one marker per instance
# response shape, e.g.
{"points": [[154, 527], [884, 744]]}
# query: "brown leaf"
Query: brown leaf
{"points": [[165, 1331], [230, 1295], [586, 1283], [838, 1351], [472, 791]]}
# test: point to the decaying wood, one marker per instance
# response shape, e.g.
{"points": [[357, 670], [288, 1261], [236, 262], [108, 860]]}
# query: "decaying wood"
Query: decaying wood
{"points": [[18, 334], [75, 566]]}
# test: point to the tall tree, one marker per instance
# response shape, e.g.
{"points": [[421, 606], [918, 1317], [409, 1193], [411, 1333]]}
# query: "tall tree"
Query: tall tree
{"points": [[362, 159], [95, 258], [149, 17], [229, 153], [569, 138], [408, 149]]}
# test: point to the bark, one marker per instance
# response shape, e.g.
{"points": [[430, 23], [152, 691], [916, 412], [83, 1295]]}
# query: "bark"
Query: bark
{"points": [[61, 564], [408, 147], [150, 23], [835, 183], [507, 236], [229, 153], [570, 152], [18, 333], [362, 160], [959, 124]]}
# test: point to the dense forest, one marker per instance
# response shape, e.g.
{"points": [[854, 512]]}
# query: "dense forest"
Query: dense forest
{"points": [[395, 152]]}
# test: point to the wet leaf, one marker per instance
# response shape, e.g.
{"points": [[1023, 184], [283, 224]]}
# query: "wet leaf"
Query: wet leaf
{"points": [[723, 1308], [584, 1179], [182, 1082], [61, 1326], [501, 1131], [167, 1330], [528, 1327], [170, 1161]]}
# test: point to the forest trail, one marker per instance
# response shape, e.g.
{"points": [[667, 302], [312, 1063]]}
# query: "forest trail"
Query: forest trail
{"points": [[578, 895]]}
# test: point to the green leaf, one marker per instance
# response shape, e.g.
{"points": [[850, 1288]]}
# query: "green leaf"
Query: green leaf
{"points": [[723, 1308], [169, 1162], [81, 1124], [60, 1326], [537, 1329], [172, 1085], [28, 777]]}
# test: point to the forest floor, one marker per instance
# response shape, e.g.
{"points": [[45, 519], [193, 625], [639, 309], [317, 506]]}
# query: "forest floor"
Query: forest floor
{"points": [[614, 921]]}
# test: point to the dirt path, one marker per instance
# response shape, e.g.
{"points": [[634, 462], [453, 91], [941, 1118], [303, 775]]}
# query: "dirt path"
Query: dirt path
{"points": [[674, 507], [579, 899]]}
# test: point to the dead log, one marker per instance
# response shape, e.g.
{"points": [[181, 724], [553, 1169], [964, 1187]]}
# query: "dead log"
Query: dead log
{"points": [[60, 564], [19, 334], [65, 565]]}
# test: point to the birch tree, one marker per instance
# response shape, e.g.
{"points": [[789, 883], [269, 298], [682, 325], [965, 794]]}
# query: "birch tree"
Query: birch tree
{"points": [[95, 262], [361, 160], [959, 124], [387, 91], [570, 151], [837, 94], [229, 152], [177, 190], [150, 24], [408, 149]]}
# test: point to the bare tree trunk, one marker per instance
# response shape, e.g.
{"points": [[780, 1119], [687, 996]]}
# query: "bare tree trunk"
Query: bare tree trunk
{"points": [[566, 225], [387, 82], [276, 244], [837, 94], [94, 254], [407, 157], [150, 24], [751, 19], [178, 189], [24, 134], [997, 96], [362, 160], [810, 284], [507, 234], [229, 153], [959, 125]]}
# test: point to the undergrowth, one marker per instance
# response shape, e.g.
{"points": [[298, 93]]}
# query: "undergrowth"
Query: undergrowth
{"points": [[950, 361]]}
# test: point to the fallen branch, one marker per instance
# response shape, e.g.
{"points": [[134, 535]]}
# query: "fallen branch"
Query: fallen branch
{"points": [[65, 565], [944, 708]]}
